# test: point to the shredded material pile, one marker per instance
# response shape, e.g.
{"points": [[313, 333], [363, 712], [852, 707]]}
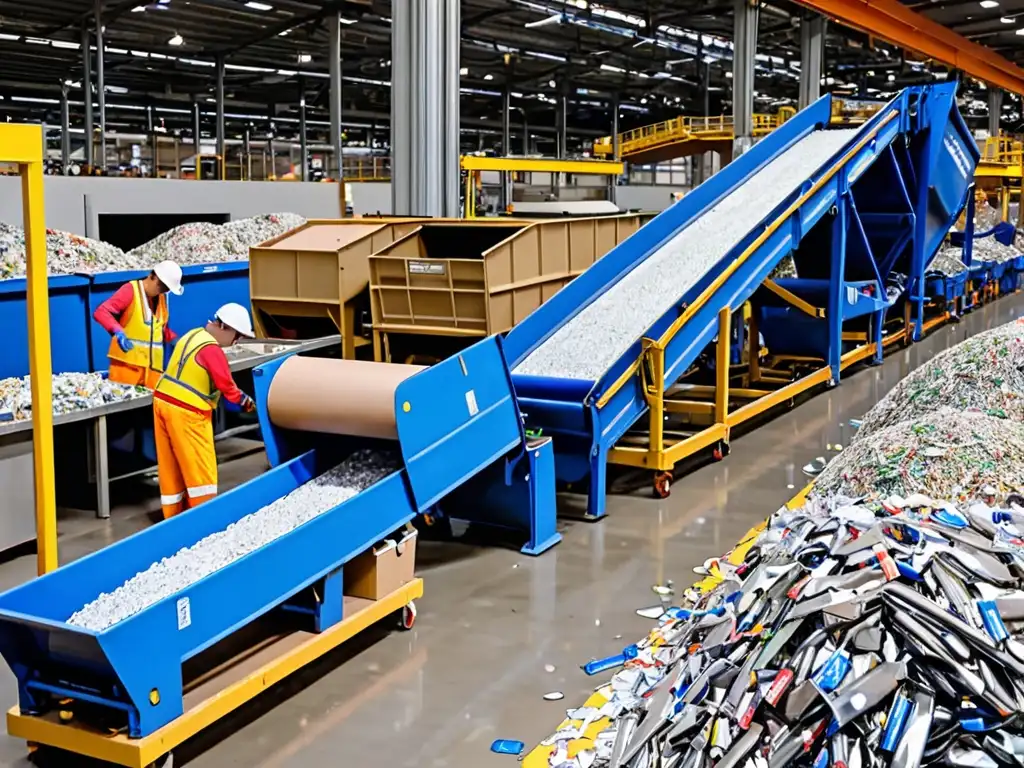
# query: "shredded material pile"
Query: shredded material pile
{"points": [[946, 453], [191, 564], [204, 243], [785, 268], [990, 249], [65, 253], [847, 635], [947, 262], [195, 243], [71, 392], [985, 373], [986, 215]]}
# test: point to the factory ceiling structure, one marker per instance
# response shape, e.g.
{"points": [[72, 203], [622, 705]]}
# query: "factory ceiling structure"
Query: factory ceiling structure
{"points": [[655, 58]]}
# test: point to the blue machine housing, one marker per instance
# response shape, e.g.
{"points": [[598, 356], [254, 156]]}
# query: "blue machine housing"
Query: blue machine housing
{"points": [[69, 340], [445, 439], [207, 287], [879, 205]]}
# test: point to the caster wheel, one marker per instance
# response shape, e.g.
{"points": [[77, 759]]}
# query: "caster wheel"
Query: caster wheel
{"points": [[662, 484], [720, 451], [408, 619]]}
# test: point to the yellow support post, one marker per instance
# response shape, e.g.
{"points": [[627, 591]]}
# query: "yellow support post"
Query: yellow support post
{"points": [[23, 144], [656, 401], [722, 366]]}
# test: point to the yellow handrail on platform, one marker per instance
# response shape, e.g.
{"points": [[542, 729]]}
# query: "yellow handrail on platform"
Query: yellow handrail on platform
{"points": [[683, 129]]}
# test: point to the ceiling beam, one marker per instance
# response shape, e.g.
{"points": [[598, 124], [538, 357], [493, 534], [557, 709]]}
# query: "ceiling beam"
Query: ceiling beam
{"points": [[892, 21], [332, 6], [109, 14]]}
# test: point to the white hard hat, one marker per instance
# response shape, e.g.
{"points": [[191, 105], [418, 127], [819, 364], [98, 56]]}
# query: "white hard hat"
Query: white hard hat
{"points": [[236, 317], [170, 275]]}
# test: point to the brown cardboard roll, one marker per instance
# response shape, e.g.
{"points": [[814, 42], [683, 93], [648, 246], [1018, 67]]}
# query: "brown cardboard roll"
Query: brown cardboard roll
{"points": [[340, 397]]}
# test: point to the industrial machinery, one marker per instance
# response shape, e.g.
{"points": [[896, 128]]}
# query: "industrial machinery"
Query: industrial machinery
{"points": [[853, 207], [178, 660], [444, 285]]}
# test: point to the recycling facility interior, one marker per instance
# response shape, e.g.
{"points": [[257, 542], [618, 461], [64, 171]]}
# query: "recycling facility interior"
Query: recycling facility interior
{"points": [[674, 350]]}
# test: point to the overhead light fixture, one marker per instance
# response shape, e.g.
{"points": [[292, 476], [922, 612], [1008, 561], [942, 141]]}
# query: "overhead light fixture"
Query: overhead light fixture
{"points": [[555, 19], [259, 6], [871, 73], [5, 36], [37, 41], [343, 20], [643, 100], [138, 9], [989, 3], [463, 71], [283, 32], [891, 78], [1020, 31], [1006, 19], [551, 83], [176, 40], [305, 58], [65, 44], [488, 76]]}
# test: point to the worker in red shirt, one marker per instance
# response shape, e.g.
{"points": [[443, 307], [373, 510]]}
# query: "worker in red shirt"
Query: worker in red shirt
{"points": [[136, 318], [184, 399]]}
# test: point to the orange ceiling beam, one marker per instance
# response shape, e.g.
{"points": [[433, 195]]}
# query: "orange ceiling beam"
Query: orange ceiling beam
{"points": [[898, 24]]}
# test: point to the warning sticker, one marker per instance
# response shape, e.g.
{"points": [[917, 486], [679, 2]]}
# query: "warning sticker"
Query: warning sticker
{"points": [[184, 613], [474, 409]]}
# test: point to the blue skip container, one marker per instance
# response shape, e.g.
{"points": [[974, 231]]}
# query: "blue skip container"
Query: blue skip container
{"points": [[69, 333], [207, 287]]}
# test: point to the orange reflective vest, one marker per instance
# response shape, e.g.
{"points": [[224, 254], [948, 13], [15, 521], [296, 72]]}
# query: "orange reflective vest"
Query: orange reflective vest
{"points": [[145, 328], [185, 379]]}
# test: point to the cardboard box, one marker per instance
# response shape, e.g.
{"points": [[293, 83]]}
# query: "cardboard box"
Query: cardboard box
{"points": [[383, 568]]}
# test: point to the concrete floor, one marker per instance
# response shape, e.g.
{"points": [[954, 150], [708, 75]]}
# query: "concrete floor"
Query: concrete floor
{"points": [[491, 620]]}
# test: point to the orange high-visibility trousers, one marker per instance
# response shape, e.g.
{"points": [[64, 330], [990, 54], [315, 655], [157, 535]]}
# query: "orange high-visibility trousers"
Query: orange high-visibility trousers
{"points": [[185, 457], [134, 375]]}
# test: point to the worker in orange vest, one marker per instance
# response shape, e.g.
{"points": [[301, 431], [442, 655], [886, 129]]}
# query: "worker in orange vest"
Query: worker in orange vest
{"points": [[136, 318], [184, 399]]}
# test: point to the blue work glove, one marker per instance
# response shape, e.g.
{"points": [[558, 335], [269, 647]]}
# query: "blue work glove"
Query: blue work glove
{"points": [[123, 341]]}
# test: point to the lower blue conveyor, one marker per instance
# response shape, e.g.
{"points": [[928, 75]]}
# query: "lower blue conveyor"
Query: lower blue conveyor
{"points": [[457, 422], [879, 206]]}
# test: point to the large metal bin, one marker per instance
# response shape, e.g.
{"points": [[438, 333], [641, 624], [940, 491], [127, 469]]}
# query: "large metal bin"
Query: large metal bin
{"points": [[69, 335], [313, 279], [207, 287], [466, 280]]}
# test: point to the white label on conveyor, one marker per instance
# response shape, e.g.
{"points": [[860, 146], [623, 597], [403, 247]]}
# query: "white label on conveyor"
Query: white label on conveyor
{"points": [[851, 295], [184, 613], [474, 409], [426, 268]]}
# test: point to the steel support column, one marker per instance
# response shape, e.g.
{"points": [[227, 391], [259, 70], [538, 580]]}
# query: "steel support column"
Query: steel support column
{"points": [[561, 115], [995, 110], [425, 108], [744, 50], [506, 141], [197, 131], [101, 85], [151, 135], [246, 170], [334, 22], [613, 191], [303, 150], [812, 46], [65, 131], [221, 138], [87, 92]]}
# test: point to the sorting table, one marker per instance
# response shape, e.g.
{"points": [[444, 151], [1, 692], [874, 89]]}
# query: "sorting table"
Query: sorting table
{"points": [[17, 524]]}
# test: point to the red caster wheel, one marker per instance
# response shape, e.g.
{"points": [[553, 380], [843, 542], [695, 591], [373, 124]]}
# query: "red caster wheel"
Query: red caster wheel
{"points": [[662, 484], [408, 616]]}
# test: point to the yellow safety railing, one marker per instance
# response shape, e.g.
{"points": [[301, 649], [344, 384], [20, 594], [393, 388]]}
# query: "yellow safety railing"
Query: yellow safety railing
{"points": [[682, 129], [371, 168], [1002, 150]]}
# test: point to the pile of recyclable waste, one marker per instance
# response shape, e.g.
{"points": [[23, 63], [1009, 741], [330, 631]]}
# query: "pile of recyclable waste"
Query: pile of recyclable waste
{"points": [[71, 392], [851, 633], [985, 373], [947, 262], [187, 244], [879, 621]]}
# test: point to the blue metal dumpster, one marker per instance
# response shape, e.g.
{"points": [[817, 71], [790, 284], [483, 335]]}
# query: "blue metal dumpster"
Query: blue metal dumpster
{"points": [[207, 286], [69, 334]]}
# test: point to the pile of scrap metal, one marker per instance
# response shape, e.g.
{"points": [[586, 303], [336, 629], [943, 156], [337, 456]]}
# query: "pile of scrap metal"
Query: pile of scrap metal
{"points": [[850, 635]]}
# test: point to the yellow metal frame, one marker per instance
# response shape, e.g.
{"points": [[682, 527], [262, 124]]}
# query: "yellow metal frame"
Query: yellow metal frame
{"points": [[683, 129], [138, 753], [23, 144], [541, 165]]}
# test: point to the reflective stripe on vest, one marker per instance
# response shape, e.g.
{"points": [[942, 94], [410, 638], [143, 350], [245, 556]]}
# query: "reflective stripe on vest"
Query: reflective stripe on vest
{"points": [[185, 379], [145, 329]]}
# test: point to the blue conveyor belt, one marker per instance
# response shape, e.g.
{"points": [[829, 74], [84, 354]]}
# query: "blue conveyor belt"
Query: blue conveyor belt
{"points": [[851, 207]]}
